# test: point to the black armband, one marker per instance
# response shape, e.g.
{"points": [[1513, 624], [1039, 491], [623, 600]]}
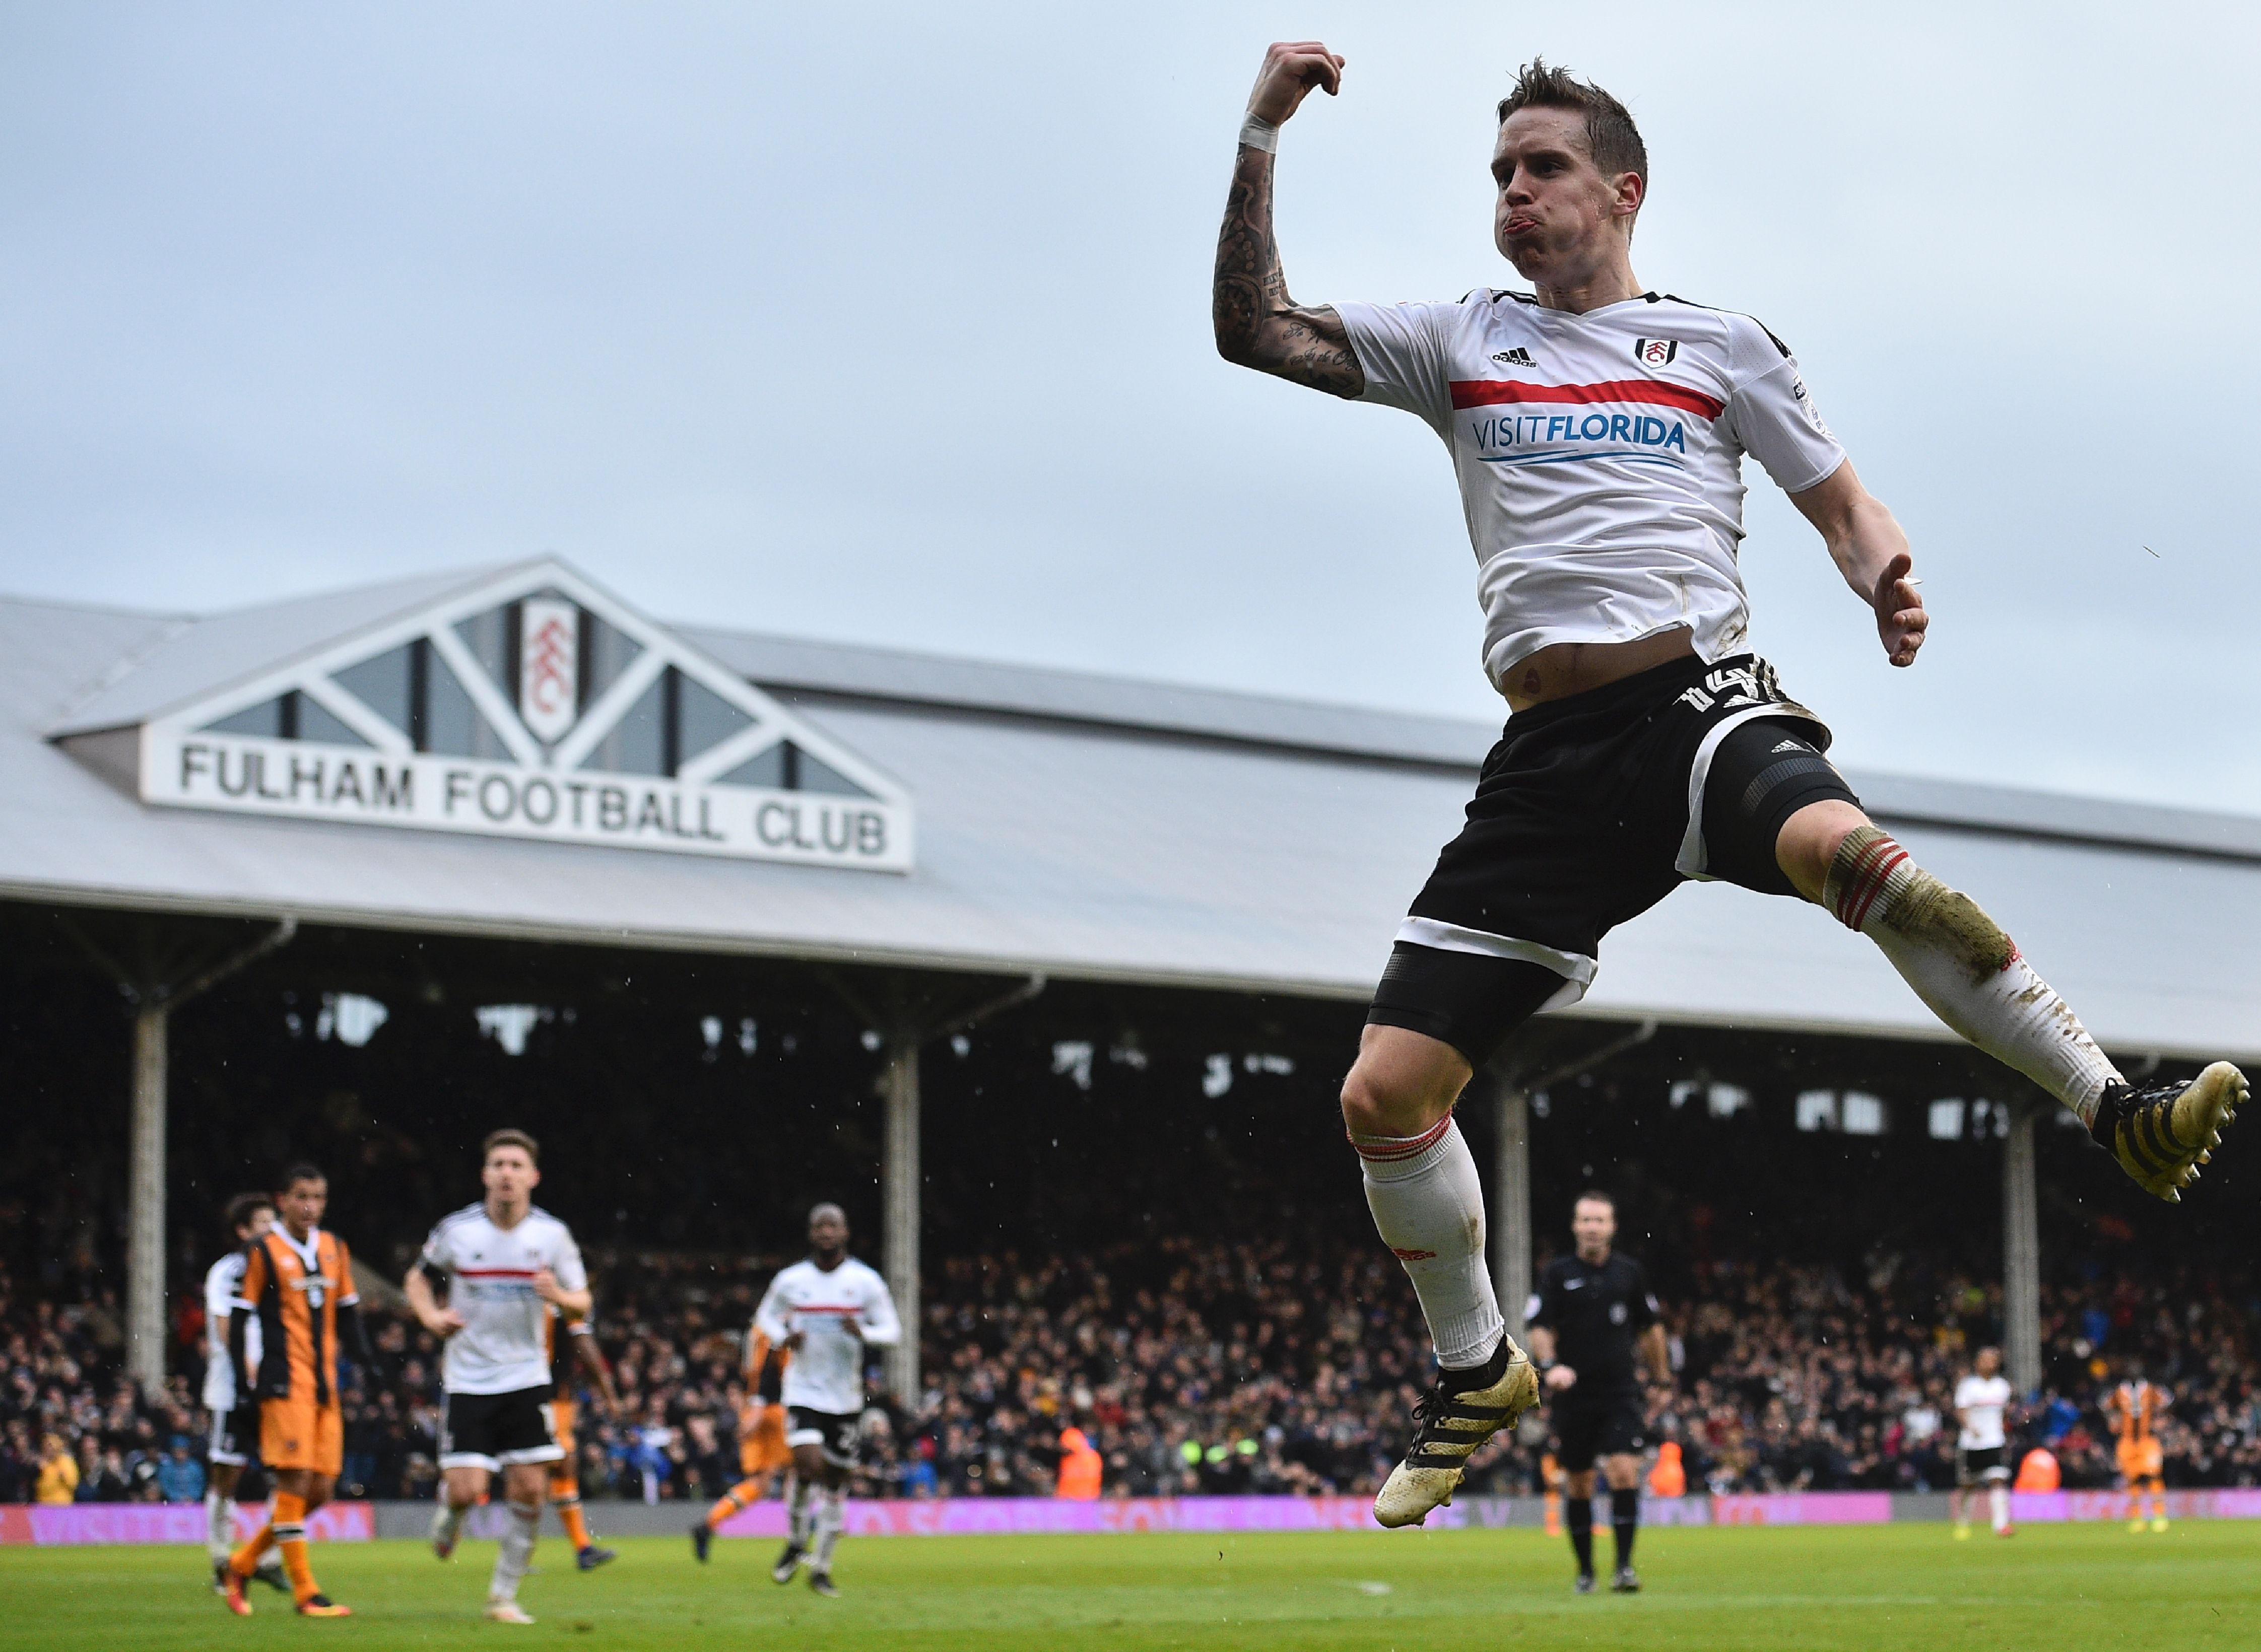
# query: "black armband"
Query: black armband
{"points": [[236, 1321], [351, 1323]]}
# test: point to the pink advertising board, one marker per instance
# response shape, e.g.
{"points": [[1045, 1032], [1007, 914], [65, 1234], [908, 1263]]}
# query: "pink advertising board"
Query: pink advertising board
{"points": [[163, 1522]]}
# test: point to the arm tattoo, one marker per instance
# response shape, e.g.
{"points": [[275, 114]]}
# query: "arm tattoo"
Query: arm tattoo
{"points": [[1258, 325]]}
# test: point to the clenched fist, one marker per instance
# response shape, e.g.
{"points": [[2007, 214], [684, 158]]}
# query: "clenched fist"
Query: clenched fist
{"points": [[1291, 69]]}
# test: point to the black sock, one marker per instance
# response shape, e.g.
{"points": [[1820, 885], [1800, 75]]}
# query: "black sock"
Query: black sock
{"points": [[1482, 1376], [1624, 1521], [1578, 1515]]}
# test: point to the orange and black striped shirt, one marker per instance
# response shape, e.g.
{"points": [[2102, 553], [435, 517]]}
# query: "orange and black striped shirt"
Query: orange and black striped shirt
{"points": [[765, 1364], [296, 1290], [2134, 1408]]}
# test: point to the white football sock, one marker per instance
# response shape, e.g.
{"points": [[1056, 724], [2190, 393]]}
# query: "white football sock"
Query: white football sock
{"points": [[797, 1513], [1428, 1207], [517, 1551], [1962, 966], [447, 1520], [219, 1526], [831, 1514], [1998, 1500]]}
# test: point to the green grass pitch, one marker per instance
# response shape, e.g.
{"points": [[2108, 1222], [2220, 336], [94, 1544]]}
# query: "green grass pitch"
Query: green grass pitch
{"points": [[1872, 1589]]}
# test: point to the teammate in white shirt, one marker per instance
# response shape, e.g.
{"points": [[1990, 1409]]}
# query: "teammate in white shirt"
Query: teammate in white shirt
{"points": [[825, 1312], [506, 1265], [1982, 1449], [1597, 430], [234, 1418]]}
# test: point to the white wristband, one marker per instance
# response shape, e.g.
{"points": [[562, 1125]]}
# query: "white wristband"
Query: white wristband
{"points": [[1256, 132]]}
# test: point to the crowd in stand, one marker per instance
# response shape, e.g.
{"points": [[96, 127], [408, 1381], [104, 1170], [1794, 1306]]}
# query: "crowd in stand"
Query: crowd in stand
{"points": [[72, 1428], [1796, 1378], [1198, 1367]]}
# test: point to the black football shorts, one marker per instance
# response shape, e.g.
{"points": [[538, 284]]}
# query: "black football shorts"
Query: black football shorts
{"points": [[836, 1434], [1589, 810], [494, 1431], [1980, 1465], [1606, 1426], [234, 1437]]}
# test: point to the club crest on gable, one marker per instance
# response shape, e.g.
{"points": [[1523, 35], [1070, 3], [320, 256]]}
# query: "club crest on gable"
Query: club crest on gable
{"points": [[549, 672]]}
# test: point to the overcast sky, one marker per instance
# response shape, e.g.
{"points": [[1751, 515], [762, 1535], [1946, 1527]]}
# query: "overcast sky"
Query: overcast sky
{"points": [[890, 324]]}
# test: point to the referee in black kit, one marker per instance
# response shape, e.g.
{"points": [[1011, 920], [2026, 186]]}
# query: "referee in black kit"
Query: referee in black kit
{"points": [[1591, 1312]]}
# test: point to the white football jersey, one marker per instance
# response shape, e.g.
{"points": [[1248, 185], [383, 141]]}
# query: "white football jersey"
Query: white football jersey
{"points": [[223, 1285], [1599, 456], [502, 1347], [826, 1373], [1981, 1400]]}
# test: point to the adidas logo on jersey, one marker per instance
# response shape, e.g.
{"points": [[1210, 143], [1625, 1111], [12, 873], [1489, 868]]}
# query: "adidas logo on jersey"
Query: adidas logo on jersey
{"points": [[1786, 745], [1516, 357]]}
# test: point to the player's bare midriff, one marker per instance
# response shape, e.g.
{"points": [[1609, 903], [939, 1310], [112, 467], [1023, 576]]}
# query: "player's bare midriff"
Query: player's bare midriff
{"points": [[1563, 668]]}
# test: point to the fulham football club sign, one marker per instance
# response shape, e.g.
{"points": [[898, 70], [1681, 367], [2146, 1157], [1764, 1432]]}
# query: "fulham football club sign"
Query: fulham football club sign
{"points": [[527, 704]]}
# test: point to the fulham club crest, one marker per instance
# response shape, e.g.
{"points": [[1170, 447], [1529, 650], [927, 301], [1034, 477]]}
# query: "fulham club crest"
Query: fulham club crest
{"points": [[550, 667], [1655, 352]]}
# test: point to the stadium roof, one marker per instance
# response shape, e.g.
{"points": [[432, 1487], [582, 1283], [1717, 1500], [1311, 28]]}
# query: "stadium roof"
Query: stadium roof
{"points": [[1069, 823]]}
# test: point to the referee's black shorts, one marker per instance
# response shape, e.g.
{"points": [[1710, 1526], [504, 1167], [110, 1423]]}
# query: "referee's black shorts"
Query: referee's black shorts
{"points": [[1605, 1426], [1589, 810]]}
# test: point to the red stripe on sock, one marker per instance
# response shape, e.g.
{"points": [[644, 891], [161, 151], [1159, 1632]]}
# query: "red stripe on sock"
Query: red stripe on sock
{"points": [[1854, 877], [1870, 868], [1406, 1147], [1877, 882], [1857, 879]]}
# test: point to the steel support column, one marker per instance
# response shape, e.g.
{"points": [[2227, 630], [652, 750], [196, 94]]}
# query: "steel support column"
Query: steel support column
{"points": [[2022, 1253], [901, 1010], [161, 979], [1510, 1202], [900, 1173], [145, 1233], [1510, 1210]]}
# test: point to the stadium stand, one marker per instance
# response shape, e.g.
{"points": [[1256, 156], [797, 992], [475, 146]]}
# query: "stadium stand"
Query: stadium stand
{"points": [[1201, 1366]]}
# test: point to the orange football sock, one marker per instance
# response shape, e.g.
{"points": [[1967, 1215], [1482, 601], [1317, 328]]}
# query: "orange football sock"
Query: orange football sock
{"points": [[251, 1551], [303, 1586], [734, 1499], [289, 1525], [577, 1528]]}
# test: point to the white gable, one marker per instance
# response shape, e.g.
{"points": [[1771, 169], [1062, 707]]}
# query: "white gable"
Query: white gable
{"points": [[529, 704]]}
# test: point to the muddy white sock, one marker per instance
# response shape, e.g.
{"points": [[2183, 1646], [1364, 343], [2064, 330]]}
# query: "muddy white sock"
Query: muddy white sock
{"points": [[1997, 1504], [447, 1520], [1428, 1207], [831, 1514], [516, 1553], [1960, 964]]}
